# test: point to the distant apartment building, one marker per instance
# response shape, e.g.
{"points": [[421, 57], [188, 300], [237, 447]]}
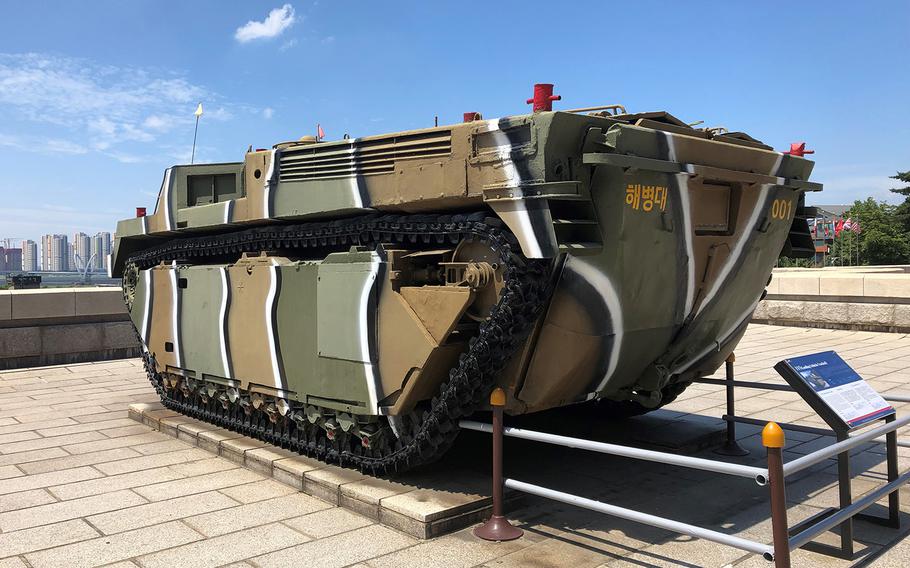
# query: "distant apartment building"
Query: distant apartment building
{"points": [[55, 253], [11, 259], [29, 256], [101, 248], [82, 251]]}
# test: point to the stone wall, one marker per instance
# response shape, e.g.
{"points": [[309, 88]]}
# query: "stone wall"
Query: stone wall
{"points": [[862, 298], [54, 326]]}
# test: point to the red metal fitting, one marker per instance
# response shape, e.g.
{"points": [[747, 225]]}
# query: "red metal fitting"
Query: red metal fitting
{"points": [[543, 97], [471, 116], [140, 212], [798, 149]]}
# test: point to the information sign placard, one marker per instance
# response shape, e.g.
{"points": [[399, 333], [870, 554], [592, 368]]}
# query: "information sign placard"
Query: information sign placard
{"points": [[834, 390]]}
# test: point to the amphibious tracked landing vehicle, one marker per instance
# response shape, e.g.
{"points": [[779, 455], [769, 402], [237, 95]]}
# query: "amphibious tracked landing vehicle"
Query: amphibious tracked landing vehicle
{"points": [[353, 299]]}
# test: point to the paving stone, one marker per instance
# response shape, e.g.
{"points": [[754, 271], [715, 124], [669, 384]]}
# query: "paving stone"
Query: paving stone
{"points": [[551, 552], [100, 442], [66, 510], [189, 431], [23, 499], [328, 522], [202, 467], [160, 512], [291, 471], [75, 429], [257, 491], [20, 542], [326, 483], [210, 440], [42, 443], [255, 514], [162, 447], [453, 551], [198, 484], [14, 426], [222, 550], [262, 459], [9, 471], [113, 483], [98, 416], [16, 437], [132, 430], [13, 563], [168, 425], [48, 479], [235, 449], [31, 456], [340, 550], [364, 496], [112, 548], [152, 461], [69, 461]]}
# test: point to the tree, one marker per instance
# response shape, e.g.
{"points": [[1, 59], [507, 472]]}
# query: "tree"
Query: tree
{"points": [[882, 239], [902, 213]]}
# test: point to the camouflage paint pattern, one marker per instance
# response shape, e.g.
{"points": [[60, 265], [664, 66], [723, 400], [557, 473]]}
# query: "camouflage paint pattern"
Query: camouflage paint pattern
{"points": [[663, 238]]}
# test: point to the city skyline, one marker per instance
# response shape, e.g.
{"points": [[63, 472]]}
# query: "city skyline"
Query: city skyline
{"points": [[56, 252]]}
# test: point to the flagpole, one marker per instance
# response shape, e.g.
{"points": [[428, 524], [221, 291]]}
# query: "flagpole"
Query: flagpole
{"points": [[198, 114], [195, 132]]}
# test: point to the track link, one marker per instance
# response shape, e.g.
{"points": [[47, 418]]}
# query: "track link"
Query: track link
{"points": [[421, 436]]}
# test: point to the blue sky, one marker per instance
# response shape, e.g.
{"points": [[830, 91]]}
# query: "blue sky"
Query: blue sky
{"points": [[97, 98]]}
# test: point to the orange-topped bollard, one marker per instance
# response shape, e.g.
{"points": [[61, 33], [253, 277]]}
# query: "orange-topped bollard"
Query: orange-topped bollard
{"points": [[772, 438], [497, 527]]}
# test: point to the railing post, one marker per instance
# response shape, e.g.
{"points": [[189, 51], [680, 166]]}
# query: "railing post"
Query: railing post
{"points": [[731, 447], [497, 527], [772, 437]]}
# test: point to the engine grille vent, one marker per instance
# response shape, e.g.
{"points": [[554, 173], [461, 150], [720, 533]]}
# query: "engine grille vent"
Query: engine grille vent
{"points": [[360, 157]]}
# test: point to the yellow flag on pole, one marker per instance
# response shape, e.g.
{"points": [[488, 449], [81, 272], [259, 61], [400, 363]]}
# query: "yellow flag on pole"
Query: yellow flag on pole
{"points": [[198, 112]]}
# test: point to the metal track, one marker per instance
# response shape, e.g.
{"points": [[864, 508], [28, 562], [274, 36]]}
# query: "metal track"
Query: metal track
{"points": [[423, 435]]}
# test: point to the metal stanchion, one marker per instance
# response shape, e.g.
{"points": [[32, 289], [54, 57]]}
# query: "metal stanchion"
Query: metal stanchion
{"points": [[772, 437], [497, 527], [731, 447]]}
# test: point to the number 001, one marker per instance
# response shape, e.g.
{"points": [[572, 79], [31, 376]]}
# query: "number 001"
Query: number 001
{"points": [[781, 209]]}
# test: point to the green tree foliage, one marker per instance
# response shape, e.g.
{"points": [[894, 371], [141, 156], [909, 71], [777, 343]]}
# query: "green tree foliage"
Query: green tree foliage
{"points": [[883, 240], [902, 213]]}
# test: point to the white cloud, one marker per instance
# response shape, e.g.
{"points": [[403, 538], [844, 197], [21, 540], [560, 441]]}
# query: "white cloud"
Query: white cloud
{"points": [[328, 40], [288, 44], [267, 113], [274, 25], [85, 106], [41, 145]]}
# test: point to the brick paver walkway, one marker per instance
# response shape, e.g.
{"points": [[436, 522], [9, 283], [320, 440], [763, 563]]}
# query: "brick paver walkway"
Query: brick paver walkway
{"points": [[82, 485]]}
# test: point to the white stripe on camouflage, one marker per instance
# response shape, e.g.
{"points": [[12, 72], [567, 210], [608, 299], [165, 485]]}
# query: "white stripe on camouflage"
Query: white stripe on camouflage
{"points": [[270, 323], [364, 334], [228, 210], [175, 300], [604, 286], [267, 187], [525, 230], [223, 314], [147, 303], [166, 191], [737, 249], [683, 180]]}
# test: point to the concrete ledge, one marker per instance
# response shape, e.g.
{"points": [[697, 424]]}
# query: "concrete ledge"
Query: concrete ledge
{"points": [[57, 326], [421, 505], [857, 316]]}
